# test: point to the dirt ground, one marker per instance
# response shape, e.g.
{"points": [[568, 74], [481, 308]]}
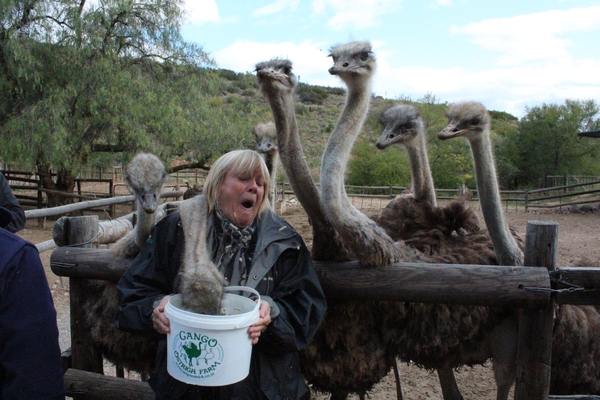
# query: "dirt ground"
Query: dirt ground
{"points": [[579, 236]]}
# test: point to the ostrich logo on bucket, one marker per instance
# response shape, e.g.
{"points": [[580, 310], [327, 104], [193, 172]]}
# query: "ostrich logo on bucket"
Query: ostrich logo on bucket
{"points": [[197, 355]]}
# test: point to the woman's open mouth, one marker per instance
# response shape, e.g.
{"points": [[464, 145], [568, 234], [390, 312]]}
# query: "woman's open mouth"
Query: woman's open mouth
{"points": [[248, 204]]}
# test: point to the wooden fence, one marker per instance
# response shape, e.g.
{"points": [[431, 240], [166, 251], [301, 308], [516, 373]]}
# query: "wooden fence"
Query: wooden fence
{"points": [[570, 196], [27, 188], [583, 196], [529, 289]]}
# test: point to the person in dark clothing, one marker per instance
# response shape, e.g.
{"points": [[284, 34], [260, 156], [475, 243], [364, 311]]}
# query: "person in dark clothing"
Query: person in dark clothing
{"points": [[30, 366], [15, 221], [252, 247]]}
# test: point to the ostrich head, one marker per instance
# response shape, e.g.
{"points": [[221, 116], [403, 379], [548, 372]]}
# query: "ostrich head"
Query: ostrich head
{"points": [[352, 61], [402, 124], [275, 74], [468, 119], [145, 175], [266, 137]]}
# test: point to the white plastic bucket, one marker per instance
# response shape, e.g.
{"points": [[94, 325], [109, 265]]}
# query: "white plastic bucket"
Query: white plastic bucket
{"points": [[212, 350]]}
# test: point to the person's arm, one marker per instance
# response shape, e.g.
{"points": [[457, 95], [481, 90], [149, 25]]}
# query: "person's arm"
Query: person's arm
{"points": [[300, 302], [149, 279], [10, 202], [30, 359]]}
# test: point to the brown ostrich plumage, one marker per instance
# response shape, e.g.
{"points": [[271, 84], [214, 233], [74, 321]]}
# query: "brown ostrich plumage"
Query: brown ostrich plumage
{"points": [[438, 336], [145, 175]]}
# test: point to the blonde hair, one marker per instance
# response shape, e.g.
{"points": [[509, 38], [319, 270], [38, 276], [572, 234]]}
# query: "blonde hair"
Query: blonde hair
{"points": [[243, 163]]}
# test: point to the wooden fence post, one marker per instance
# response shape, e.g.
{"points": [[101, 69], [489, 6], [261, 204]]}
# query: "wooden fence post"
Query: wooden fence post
{"points": [[111, 193], [40, 203], [534, 354], [80, 232]]}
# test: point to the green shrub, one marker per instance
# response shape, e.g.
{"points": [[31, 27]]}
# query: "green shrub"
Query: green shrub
{"points": [[302, 109], [228, 74], [311, 94]]}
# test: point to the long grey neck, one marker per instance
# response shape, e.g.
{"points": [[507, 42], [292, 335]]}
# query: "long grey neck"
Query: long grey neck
{"points": [[292, 156], [143, 226], [422, 181], [506, 247], [272, 161], [367, 242], [339, 147]]}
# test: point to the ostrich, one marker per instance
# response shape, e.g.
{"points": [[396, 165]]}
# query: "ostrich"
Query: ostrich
{"points": [[355, 64], [575, 350], [461, 331], [406, 215], [344, 356], [576, 327], [403, 125], [472, 121], [144, 175], [266, 144], [451, 233]]}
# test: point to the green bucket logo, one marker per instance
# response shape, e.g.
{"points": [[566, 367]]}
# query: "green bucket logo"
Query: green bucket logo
{"points": [[196, 354]]}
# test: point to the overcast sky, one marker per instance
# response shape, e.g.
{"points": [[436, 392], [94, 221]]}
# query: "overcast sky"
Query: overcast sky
{"points": [[506, 54]]}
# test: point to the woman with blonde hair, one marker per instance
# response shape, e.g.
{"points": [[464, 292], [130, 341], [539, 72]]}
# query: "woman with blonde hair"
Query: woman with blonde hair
{"points": [[251, 246]]}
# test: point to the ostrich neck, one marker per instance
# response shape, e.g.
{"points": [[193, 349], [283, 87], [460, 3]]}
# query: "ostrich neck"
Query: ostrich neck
{"points": [[272, 159], [143, 226], [271, 162], [338, 150], [292, 156], [422, 181], [505, 246], [369, 243]]}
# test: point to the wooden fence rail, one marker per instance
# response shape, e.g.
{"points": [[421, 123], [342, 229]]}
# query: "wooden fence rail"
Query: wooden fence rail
{"points": [[563, 196], [551, 197], [115, 225]]}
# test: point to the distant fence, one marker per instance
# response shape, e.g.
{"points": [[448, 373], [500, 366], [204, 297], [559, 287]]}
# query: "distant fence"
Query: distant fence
{"points": [[581, 196], [566, 180], [584, 196], [27, 187]]}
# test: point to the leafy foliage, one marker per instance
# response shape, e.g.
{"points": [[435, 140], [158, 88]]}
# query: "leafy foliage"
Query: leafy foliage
{"points": [[547, 143]]}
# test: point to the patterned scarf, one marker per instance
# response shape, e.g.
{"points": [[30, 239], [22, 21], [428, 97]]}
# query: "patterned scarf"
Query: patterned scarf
{"points": [[232, 256]]}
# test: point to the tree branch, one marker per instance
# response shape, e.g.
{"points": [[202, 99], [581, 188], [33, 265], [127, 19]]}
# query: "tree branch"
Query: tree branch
{"points": [[199, 164]]}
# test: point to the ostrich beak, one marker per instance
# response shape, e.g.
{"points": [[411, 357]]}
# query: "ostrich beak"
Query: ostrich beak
{"points": [[451, 131], [149, 202], [387, 138]]}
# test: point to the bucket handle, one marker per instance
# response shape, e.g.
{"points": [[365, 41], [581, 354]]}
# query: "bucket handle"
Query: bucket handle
{"points": [[244, 289]]}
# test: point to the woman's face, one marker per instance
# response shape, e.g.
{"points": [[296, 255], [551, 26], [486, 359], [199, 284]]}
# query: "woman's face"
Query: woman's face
{"points": [[240, 199]]}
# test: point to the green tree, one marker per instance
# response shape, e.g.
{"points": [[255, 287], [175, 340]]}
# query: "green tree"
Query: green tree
{"points": [[77, 78], [506, 152], [547, 142]]}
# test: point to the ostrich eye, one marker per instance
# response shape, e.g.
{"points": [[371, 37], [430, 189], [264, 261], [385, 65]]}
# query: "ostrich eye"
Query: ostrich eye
{"points": [[475, 121], [364, 55], [287, 69]]}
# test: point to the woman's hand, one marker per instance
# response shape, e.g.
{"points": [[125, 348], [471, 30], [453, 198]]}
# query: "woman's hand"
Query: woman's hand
{"points": [[160, 322], [260, 326]]}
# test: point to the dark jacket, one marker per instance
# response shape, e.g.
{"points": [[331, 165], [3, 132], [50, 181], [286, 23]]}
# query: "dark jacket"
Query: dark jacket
{"points": [[15, 221], [281, 271], [30, 365]]}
